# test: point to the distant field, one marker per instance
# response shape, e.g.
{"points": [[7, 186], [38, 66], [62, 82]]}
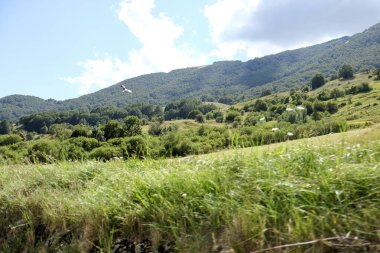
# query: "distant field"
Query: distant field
{"points": [[242, 199]]}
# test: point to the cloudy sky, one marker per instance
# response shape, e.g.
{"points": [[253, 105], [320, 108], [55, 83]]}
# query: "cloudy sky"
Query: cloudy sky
{"points": [[64, 49]]}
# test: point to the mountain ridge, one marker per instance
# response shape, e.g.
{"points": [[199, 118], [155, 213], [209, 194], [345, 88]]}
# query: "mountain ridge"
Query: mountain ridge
{"points": [[223, 81]]}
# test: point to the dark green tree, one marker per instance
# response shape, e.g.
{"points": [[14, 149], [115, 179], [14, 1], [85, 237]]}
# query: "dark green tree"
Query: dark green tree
{"points": [[5, 127], [260, 105], [346, 72], [317, 81], [200, 118], [194, 113], [81, 130], [113, 129], [132, 126]]}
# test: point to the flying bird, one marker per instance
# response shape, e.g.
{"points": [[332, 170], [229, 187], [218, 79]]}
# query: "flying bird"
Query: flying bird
{"points": [[125, 89]]}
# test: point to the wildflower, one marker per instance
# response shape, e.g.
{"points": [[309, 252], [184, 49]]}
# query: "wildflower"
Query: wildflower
{"points": [[275, 129]]}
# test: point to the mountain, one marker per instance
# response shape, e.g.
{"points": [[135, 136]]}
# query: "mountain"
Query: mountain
{"points": [[225, 81]]}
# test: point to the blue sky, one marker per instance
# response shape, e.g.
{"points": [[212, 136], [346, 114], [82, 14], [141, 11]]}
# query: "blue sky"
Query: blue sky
{"points": [[64, 49]]}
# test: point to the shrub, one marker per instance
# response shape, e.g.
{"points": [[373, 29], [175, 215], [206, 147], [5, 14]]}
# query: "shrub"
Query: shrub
{"points": [[324, 96], [75, 153], [134, 146], [336, 93], [113, 129], [81, 130], [45, 151], [9, 139], [251, 120], [331, 107], [132, 126], [219, 119], [231, 115], [177, 145], [260, 105], [86, 143], [105, 153], [317, 81], [200, 118], [346, 72], [194, 113], [156, 128], [319, 106]]}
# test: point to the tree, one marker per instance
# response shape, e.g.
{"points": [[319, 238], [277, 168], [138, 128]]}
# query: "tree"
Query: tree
{"points": [[81, 130], [346, 72], [194, 113], [260, 105], [199, 118], [5, 127], [113, 129], [132, 126], [317, 81], [377, 73]]}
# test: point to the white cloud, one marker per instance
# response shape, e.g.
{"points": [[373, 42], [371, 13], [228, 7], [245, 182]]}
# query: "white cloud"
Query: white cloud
{"points": [[159, 51], [261, 27], [99, 74]]}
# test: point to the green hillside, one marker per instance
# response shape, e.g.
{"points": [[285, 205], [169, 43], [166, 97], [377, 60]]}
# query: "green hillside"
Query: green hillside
{"points": [[225, 82]]}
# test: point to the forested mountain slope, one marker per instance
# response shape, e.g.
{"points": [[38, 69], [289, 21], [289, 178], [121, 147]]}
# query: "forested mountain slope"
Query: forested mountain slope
{"points": [[227, 81]]}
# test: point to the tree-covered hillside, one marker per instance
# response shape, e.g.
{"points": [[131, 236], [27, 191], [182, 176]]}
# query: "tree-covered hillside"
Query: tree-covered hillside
{"points": [[226, 82]]}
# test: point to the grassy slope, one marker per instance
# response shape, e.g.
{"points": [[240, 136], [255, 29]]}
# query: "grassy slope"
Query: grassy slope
{"points": [[356, 115], [248, 198]]}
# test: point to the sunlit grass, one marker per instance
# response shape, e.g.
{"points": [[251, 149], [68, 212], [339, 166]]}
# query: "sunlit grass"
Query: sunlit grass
{"points": [[248, 198]]}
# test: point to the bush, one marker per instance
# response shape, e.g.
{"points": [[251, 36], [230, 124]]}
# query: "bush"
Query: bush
{"points": [[177, 145], [9, 139], [219, 119], [75, 153], [260, 105], [331, 107], [81, 130], [200, 118], [105, 153], [319, 106], [251, 120], [317, 81], [135, 146], [231, 115], [132, 126], [45, 151], [86, 143], [346, 72], [324, 96], [194, 113], [336, 93], [156, 128]]}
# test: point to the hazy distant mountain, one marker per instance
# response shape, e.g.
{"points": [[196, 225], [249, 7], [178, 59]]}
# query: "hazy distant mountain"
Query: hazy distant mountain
{"points": [[222, 81]]}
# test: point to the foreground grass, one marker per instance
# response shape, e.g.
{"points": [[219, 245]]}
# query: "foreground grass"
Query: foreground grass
{"points": [[249, 199]]}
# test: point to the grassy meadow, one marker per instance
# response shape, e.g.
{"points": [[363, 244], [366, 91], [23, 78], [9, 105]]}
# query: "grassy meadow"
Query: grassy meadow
{"points": [[239, 200]]}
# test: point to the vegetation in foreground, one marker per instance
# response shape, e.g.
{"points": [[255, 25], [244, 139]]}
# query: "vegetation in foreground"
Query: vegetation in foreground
{"points": [[245, 200]]}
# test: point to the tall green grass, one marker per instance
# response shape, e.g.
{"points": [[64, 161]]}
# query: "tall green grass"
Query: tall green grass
{"points": [[291, 192]]}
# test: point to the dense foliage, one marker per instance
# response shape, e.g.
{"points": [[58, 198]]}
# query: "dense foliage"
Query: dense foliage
{"points": [[317, 81]]}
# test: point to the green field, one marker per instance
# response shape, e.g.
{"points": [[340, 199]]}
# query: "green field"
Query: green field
{"points": [[242, 200]]}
